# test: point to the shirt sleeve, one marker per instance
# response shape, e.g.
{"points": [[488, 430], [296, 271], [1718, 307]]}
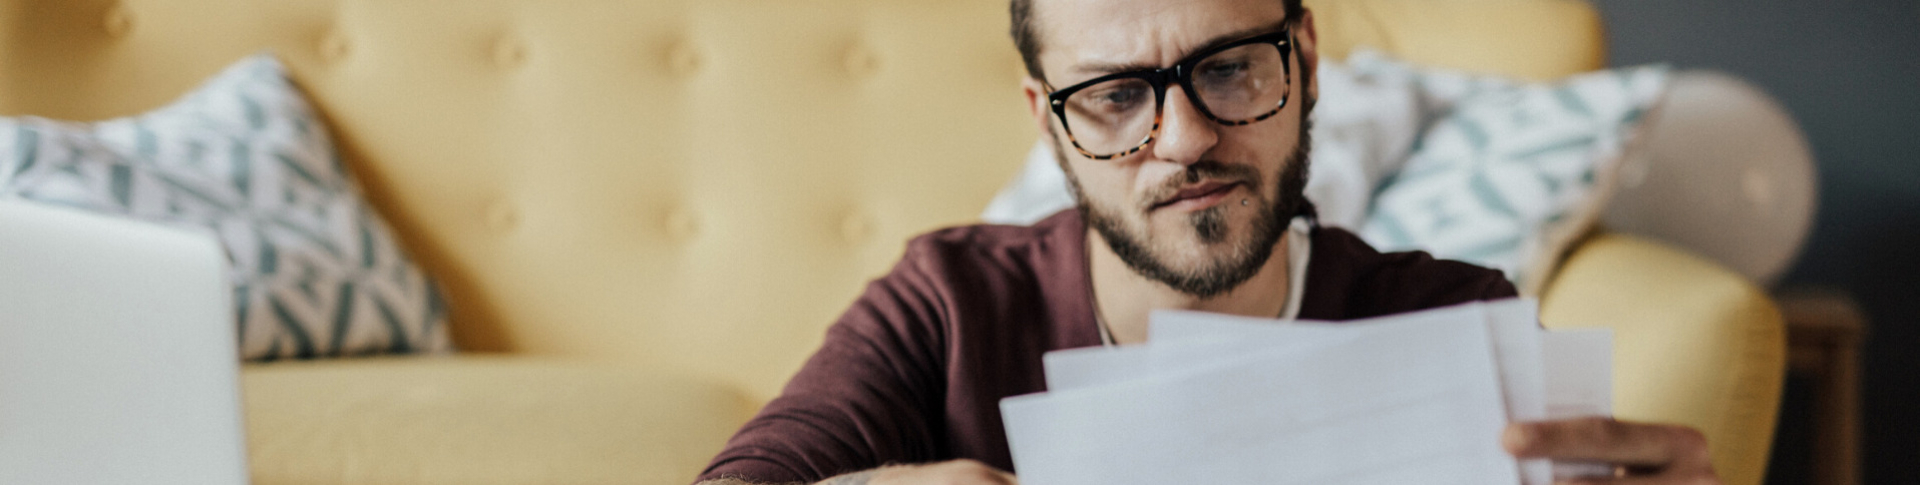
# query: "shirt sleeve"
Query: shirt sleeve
{"points": [[865, 399]]}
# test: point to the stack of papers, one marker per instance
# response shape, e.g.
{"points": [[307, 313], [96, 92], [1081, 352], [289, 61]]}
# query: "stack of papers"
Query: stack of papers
{"points": [[1412, 398]]}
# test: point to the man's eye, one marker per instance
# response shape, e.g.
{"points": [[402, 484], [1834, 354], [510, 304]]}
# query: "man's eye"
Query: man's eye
{"points": [[1116, 98], [1223, 71]]}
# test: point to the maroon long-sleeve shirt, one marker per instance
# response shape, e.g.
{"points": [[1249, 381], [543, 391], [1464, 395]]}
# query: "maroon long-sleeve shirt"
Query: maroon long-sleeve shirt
{"points": [[915, 370]]}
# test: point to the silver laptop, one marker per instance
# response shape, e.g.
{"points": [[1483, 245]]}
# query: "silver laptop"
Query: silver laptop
{"points": [[117, 353]]}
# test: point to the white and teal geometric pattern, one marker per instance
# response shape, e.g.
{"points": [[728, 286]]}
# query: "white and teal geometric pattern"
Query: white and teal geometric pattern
{"points": [[316, 272], [1493, 174]]}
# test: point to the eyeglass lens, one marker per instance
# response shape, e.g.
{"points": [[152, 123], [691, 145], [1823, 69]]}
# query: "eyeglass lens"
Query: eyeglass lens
{"points": [[1236, 85]]}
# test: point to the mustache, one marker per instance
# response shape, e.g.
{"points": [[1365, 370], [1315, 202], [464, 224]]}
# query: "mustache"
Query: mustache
{"points": [[1203, 170]]}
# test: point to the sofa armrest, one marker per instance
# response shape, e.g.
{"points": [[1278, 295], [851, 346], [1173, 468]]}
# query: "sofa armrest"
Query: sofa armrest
{"points": [[1694, 343], [478, 420]]}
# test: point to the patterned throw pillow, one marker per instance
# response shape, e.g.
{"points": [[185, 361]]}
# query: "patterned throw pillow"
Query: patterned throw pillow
{"points": [[1510, 174], [316, 273]]}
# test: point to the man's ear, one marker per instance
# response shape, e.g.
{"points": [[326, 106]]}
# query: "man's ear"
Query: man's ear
{"points": [[1308, 40], [1042, 113]]}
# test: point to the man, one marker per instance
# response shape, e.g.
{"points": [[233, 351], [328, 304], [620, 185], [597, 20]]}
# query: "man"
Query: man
{"points": [[1183, 128]]}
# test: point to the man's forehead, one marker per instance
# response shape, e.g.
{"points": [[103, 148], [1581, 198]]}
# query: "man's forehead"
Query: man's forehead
{"points": [[1081, 37]]}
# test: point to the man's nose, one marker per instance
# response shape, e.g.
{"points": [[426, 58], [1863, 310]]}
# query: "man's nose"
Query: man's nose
{"points": [[1185, 134]]}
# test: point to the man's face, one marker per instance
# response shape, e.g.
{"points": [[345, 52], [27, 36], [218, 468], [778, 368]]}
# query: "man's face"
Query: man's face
{"points": [[1201, 208]]}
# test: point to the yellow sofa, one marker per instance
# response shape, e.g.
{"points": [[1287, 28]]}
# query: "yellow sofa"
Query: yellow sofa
{"points": [[646, 212]]}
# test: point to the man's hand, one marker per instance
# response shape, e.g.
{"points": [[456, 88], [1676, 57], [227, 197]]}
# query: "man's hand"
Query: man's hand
{"points": [[956, 472], [1641, 453]]}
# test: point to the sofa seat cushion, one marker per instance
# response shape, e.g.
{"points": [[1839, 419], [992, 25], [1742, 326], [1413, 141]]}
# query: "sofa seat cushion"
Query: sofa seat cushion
{"points": [[480, 420]]}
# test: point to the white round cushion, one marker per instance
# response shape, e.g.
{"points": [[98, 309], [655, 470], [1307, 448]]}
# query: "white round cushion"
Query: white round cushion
{"points": [[1724, 171]]}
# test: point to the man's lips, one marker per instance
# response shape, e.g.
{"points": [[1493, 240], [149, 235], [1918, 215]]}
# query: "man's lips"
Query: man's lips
{"points": [[1197, 197]]}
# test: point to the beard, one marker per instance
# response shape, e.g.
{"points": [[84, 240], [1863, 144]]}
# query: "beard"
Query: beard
{"points": [[1230, 261]]}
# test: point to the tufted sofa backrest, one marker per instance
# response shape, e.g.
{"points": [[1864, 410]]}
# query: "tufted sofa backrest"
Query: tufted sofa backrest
{"points": [[694, 186]]}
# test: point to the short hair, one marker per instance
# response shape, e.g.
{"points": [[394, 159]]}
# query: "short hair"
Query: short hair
{"points": [[1027, 38]]}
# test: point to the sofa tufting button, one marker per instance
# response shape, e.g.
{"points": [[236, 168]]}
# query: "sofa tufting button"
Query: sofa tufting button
{"points": [[502, 217], [683, 59], [681, 225], [334, 47], [118, 21], [509, 53], [861, 62], [856, 228]]}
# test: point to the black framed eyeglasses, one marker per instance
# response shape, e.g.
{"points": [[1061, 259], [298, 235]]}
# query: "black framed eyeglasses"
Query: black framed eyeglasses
{"points": [[1234, 84]]}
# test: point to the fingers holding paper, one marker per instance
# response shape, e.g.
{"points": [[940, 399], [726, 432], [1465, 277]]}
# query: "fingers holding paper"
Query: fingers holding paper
{"points": [[1647, 453]]}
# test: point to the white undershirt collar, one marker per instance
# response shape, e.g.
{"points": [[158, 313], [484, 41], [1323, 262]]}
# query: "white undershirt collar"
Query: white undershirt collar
{"points": [[1299, 252]]}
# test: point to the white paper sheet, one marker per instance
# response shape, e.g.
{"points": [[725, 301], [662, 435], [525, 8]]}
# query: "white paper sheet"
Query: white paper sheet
{"points": [[1220, 369], [1579, 369], [1208, 341], [1417, 404], [1517, 341], [1182, 339], [1093, 366]]}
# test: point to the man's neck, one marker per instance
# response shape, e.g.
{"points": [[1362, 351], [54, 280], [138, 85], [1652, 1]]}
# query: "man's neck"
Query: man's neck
{"points": [[1124, 298]]}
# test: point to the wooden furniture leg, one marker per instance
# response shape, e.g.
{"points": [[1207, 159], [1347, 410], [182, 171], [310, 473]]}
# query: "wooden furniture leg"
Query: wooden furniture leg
{"points": [[1824, 332]]}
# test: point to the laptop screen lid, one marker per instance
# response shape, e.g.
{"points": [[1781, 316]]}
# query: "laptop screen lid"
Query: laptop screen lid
{"points": [[117, 355]]}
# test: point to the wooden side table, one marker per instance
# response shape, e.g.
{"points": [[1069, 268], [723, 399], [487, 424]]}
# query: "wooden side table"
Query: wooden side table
{"points": [[1825, 330]]}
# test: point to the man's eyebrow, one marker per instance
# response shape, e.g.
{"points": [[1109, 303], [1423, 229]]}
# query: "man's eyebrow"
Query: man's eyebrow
{"points": [[1105, 68]]}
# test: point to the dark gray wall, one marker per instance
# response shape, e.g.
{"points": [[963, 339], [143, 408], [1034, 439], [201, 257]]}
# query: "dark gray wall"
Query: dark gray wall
{"points": [[1849, 70]]}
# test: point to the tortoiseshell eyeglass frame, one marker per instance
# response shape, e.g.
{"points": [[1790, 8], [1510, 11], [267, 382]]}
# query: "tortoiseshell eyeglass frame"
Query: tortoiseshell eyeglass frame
{"points": [[1182, 73]]}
